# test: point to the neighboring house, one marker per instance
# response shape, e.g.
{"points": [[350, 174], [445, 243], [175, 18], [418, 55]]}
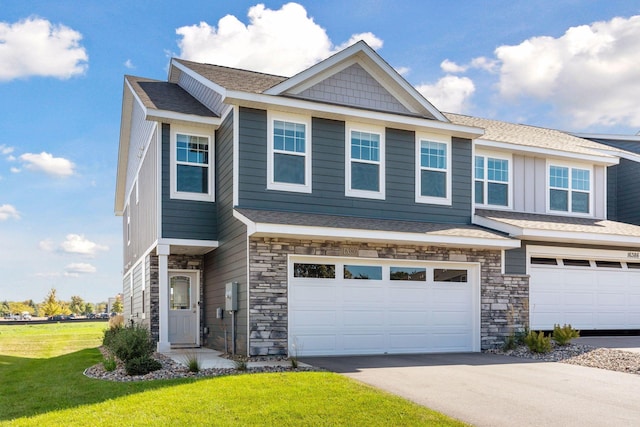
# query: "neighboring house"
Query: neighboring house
{"points": [[339, 212], [623, 189]]}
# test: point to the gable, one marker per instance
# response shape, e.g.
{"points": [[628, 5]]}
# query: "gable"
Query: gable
{"points": [[354, 87]]}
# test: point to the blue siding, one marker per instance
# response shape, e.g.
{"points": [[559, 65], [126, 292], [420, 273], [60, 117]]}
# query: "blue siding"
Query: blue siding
{"points": [[628, 192], [184, 219], [515, 260], [328, 182]]}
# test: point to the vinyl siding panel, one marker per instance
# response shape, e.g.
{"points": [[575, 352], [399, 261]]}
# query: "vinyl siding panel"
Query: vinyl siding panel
{"points": [[184, 219], [515, 260], [228, 263], [599, 192], [612, 192], [328, 175], [628, 196]]}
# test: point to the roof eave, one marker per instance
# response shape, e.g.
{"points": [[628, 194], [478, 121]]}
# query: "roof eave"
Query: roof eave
{"points": [[604, 159]]}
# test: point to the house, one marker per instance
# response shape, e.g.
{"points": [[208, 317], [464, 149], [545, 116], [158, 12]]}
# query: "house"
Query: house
{"points": [[339, 212]]}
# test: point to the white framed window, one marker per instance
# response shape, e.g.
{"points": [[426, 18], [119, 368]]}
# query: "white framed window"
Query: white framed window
{"points": [[364, 161], [192, 161], [569, 189], [289, 152], [492, 180], [433, 169]]}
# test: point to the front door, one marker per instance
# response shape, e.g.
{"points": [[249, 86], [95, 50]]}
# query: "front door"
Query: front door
{"points": [[183, 308]]}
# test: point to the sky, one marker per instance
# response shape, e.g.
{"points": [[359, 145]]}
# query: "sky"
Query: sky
{"points": [[569, 65]]}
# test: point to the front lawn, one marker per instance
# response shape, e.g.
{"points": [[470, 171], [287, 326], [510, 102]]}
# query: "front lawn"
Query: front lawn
{"points": [[41, 383]]}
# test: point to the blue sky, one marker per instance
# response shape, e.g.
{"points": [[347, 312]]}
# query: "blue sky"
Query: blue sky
{"points": [[564, 64]]}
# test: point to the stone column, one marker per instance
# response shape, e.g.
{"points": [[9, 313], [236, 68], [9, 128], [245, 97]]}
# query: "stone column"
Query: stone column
{"points": [[163, 252]]}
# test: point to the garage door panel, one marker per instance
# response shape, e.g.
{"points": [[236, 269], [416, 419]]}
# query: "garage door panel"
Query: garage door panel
{"points": [[386, 316], [312, 293]]}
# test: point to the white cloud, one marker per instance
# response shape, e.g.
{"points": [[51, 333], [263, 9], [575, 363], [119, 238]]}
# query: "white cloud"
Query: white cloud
{"points": [[8, 212], [36, 47], [590, 73], [78, 244], [75, 269], [45, 162], [450, 93], [47, 245], [283, 41], [403, 71], [451, 67], [15, 170], [129, 64], [5, 150], [485, 63]]}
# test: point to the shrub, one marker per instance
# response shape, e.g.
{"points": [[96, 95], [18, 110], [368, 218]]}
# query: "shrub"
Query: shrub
{"points": [[141, 365], [109, 364], [563, 335], [241, 363], [192, 361], [109, 336], [132, 342], [515, 339], [116, 321], [538, 342]]}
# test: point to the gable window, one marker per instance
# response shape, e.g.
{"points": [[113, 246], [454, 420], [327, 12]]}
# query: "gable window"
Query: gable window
{"points": [[433, 171], [491, 181], [569, 189], [289, 161], [364, 164], [191, 166]]}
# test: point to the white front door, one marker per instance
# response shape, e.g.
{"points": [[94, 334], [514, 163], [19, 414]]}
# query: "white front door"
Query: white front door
{"points": [[183, 308]]}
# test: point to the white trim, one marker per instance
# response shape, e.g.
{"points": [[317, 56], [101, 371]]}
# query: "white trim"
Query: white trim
{"points": [[419, 198], [199, 78], [578, 237], [283, 186], [235, 167], [380, 131], [172, 116], [549, 152], [158, 186], [592, 254], [299, 231], [570, 166], [345, 113], [209, 196], [189, 242], [614, 137], [485, 180]]}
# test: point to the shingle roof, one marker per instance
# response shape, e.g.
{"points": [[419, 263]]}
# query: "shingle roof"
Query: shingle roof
{"points": [[556, 223], [159, 95], [336, 221], [234, 78], [530, 136]]}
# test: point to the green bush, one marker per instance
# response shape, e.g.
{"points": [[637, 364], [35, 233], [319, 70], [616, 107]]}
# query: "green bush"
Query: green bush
{"points": [[538, 342], [132, 342], [109, 336], [141, 365], [109, 364], [563, 335], [515, 339]]}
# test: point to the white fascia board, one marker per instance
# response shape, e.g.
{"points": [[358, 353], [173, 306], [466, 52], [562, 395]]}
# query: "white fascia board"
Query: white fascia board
{"points": [[123, 148], [578, 237], [200, 79], [338, 112], [615, 137], [162, 115], [621, 153], [251, 226], [299, 231], [208, 244], [605, 159]]}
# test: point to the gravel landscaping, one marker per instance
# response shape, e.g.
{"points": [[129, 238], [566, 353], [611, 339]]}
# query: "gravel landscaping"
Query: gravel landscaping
{"points": [[583, 355]]}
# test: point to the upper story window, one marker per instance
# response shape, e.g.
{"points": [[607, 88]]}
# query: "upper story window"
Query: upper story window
{"points": [[491, 181], [289, 153], [433, 170], [364, 164], [569, 189], [191, 166]]}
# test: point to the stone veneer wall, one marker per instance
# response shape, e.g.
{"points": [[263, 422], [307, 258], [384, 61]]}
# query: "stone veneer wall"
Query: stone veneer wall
{"points": [[175, 262], [504, 298]]}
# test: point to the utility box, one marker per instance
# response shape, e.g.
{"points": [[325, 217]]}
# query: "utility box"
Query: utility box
{"points": [[231, 296]]}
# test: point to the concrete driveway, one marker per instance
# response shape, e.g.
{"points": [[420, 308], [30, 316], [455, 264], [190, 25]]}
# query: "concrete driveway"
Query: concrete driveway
{"points": [[493, 390]]}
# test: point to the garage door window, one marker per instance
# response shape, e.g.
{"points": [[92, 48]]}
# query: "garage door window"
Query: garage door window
{"points": [[608, 264], [315, 271], [544, 261], [363, 272], [445, 275], [576, 262], [408, 273], [634, 265]]}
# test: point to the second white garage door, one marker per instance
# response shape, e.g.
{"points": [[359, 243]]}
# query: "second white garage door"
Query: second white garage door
{"points": [[341, 307]]}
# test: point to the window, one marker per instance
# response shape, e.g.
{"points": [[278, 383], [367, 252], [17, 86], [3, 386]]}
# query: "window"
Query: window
{"points": [[408, 273], [192, 164], [433, 166], [569, 189], [491, 181], [544, 261], [363, 272], [364, 166], [445, 275], [576, 262], [289, 151], [316, 271]]}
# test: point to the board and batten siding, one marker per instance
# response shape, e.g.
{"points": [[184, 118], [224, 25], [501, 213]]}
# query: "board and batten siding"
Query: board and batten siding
{"points": [[228, 262], [627, 192], [142, 206], [184, 219], [530, 186], [328, 175]]}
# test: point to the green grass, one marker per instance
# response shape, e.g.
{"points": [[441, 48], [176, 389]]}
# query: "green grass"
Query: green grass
{"points": [[41, 383]]}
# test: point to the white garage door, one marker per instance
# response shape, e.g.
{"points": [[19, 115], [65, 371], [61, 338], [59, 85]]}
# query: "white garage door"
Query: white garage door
{"points": [[339, 307], [588, 294]]}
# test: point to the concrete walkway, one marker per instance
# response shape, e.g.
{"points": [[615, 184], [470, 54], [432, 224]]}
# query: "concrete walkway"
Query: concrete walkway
{"points": [[626, 343], [211, 359]]}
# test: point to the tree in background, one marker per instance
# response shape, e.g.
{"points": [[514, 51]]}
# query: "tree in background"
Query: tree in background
{"points": [[88, 309], [51, 305], [20, 307], [4, 308], [117, 305], [101, 307], [76, 305]]}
